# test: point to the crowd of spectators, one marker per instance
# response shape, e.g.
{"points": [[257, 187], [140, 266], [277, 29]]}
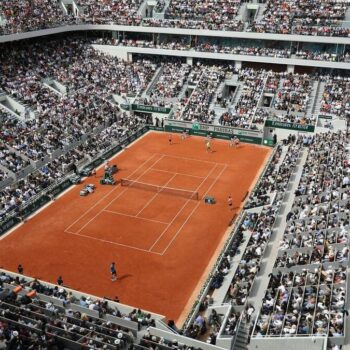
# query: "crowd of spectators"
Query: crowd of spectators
{"points": [[336, 96], [10, 160], [294, 93], [196, 107], [26, 15], [260, 228], [216, 14], [306, 19], [238, 50], [169, 84], [150, 341], [206, 46], [110, 11], [309, 302], [62, 120], [28, 320], [307, 291], [160, 5], [231, 324], [267, 184], [309, 18], [322, 56], [207, 321], [241, 113]]}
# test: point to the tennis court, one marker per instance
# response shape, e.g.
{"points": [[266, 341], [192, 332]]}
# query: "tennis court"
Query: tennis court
{"points": [[155, 225]]}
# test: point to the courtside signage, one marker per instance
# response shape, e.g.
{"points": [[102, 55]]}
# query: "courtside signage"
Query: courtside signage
{"points": [[145, 108], [289, 126]]}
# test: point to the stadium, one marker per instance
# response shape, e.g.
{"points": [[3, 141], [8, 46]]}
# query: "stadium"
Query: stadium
{"points": [[174, 174]]}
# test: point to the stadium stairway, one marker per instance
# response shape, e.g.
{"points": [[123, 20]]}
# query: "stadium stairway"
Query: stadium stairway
{"points": [[213, 103], [7, 182], [273, 194], [346, 22], [271, 252], [220, 293], [261, 10], [8, 171], [237, 95], [142, 8], [242, 337], [153, 82], [313, 98], [161, 15], [317, 104]]}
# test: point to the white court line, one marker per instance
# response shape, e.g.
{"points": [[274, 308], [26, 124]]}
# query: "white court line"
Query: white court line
{"points": [[161, 235], [115, 198], [192, 212], [171, 172], [110, 242], [150, 201], [135, 217], [81, 216], [191, 159]]}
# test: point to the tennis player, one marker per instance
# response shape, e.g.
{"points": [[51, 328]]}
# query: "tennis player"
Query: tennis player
{"points": [[230, 202], [170, 139], [236, 141], [113, 271], [208, 146], [232, 141]]}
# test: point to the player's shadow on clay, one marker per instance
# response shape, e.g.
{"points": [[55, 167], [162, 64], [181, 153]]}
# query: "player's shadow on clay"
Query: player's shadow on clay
{"points": [[122, 277]]}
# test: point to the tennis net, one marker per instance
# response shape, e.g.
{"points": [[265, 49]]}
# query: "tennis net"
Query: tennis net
{"points": [[160, 189]]}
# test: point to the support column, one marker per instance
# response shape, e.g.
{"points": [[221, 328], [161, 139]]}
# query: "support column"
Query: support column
{"points": [[189, 60], [290, 68], [129, 57]]}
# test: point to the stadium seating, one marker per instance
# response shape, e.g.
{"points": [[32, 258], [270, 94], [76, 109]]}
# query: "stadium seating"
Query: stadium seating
{"points": [[307, 288], [73, 101], [308, 18], [44, 315]]}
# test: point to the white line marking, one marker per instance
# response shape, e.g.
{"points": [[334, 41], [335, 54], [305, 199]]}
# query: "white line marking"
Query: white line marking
{"points": [[183, 174], [138, 217], [170, 223], [115, 198], [105, 196], [191, 159], [110, 242], [150, 201], [192, 212]]}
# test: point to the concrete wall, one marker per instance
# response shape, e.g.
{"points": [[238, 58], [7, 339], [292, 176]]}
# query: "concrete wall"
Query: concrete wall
{"points": [[184, 340], [123, 52], [288, 343], [199, 32]]}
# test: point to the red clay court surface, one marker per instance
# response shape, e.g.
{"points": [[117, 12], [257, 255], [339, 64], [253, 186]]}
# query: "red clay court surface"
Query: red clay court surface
{"points": [[163, 245]]}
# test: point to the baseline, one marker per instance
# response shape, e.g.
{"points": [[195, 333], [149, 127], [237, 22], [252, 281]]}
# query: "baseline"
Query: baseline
{"points": [[191, 159]]}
